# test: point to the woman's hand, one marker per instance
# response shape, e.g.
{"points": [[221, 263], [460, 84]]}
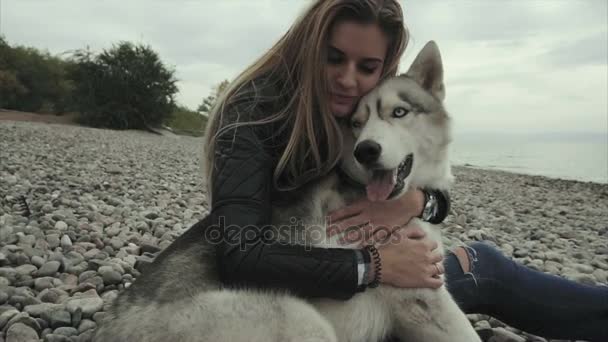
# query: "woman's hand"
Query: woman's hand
{"points": [[410, 260], [369, 216]]}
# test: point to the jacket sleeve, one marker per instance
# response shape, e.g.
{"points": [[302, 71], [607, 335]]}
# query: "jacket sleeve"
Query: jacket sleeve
{"points": [[241, 208]]}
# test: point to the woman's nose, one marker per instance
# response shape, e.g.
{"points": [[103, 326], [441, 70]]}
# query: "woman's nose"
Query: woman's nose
{"points": [[348, 77]]}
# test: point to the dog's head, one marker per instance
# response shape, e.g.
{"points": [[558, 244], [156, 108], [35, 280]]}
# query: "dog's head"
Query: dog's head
{"points": [[400, 132]]}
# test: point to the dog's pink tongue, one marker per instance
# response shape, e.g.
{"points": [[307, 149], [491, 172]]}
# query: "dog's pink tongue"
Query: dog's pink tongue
{"points": [[380, 186]]}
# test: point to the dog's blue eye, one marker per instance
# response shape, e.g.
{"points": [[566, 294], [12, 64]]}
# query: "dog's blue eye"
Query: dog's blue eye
{"points": [[400, 112], [356, 124]]}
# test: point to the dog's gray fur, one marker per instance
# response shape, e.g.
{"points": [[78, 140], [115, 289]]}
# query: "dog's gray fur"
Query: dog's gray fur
{"points": [[181, 299]]}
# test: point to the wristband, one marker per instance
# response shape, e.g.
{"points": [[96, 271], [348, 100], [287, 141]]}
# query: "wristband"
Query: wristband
{"points": [[378, 275]]}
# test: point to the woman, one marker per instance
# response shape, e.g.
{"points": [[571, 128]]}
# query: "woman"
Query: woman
{"points": [[275, 129]]}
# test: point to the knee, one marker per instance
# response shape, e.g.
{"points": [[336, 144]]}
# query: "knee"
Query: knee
{"points": [[483, 260], [485, 250], [492, 261]]}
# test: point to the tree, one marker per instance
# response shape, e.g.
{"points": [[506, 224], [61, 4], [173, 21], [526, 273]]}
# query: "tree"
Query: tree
{"points": [[10, 89], [32, 80], [209, 101], [125, 87]]}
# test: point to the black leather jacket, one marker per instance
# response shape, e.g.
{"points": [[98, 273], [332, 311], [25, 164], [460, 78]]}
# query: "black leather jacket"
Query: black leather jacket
{"points": [[242, 189]]}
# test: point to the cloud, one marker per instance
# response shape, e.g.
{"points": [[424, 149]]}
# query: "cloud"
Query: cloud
{"points": [[206, 41], [586, 50], [519, 65]]}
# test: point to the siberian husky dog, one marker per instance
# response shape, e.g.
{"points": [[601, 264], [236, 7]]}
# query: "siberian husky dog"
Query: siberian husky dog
{"points": [[398, 138]]}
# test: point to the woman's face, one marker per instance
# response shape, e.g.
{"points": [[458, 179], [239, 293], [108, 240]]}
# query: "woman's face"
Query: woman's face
{"points": [[355, 61]]}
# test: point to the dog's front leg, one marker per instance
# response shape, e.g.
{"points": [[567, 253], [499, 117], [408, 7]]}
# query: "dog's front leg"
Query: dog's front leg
{"points": [[431, 315]]}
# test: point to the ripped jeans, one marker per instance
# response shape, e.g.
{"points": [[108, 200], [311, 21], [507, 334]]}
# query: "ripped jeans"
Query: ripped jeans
{"points": [[535, 302]]}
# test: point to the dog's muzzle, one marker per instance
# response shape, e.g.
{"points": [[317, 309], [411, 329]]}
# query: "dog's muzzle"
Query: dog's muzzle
{"points": [[368, 152]]}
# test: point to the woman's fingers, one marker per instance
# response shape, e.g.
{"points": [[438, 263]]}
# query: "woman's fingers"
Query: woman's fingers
{"points": [[440, 268], [414, 232], [370, 235], [340, 227], [358, 235], [434, 283], [342, 213], [437, 269], [436, 258]]}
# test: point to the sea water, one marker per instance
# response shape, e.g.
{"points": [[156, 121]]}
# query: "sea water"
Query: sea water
{"points": [[583, 158]]}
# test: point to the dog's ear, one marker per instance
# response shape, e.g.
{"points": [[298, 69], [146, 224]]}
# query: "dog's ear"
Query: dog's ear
{"points": [[427, 70]]}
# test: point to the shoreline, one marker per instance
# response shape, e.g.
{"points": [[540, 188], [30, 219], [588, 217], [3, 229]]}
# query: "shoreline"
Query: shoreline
{"points": [[510, 172]]}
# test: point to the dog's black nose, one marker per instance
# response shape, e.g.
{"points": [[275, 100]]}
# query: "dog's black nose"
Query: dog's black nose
{"points": [[367, 152]]}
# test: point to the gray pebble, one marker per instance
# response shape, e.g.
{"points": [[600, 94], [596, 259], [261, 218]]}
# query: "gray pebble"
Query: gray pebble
{"points": [[89, 302], [6, 313], [73, 258], [520, 253], [52, 295], [49, 269], [23, 300], [3, 297], [60, 225], [8, 273], [116, 243], [24, 318], [86, 336], [583, 268], [57, 318], [4, 281], [44, 283], [56, 338], [76, 317], [3, 259], [66, 331], [53, 240], [45, 332], [109, 275], [98, 317], [38, 261], [85, 325], [20, 332], [113, 230], [26, 269], [66, 242], [38, 310]]}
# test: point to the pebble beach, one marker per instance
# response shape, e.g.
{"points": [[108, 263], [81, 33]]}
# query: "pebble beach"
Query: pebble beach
{"points": [[102, 203]]}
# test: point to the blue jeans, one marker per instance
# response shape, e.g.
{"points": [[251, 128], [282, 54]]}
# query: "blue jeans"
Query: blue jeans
{"points": [[535, 302]]}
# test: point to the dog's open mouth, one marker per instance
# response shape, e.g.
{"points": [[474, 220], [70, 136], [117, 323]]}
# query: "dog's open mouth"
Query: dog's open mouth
{"points": [[385, 184]]}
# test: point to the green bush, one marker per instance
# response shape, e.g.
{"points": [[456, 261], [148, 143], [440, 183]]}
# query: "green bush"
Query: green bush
{"points": [[32, 80], [186, 121], [125, 87]]}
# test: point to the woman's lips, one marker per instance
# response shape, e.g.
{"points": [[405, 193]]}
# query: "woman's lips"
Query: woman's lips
{"points": [[343, 99]]}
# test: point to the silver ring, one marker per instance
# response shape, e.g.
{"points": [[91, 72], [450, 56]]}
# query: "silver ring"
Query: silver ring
{"points": [[437, 267]]}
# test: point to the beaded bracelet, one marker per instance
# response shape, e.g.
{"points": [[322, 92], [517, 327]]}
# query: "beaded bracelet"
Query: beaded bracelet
{"points": [[378, 275]]}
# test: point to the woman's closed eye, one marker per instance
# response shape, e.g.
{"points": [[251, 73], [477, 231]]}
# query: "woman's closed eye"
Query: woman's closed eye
{"points": [[368, 69], [335, 56]]}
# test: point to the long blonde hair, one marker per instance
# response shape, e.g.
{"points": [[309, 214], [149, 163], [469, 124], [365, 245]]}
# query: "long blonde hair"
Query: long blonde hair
{"points": [[296, 60]]}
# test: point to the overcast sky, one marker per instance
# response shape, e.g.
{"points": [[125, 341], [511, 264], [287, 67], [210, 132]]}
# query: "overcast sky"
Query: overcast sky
{"points": [[510, 66]]}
